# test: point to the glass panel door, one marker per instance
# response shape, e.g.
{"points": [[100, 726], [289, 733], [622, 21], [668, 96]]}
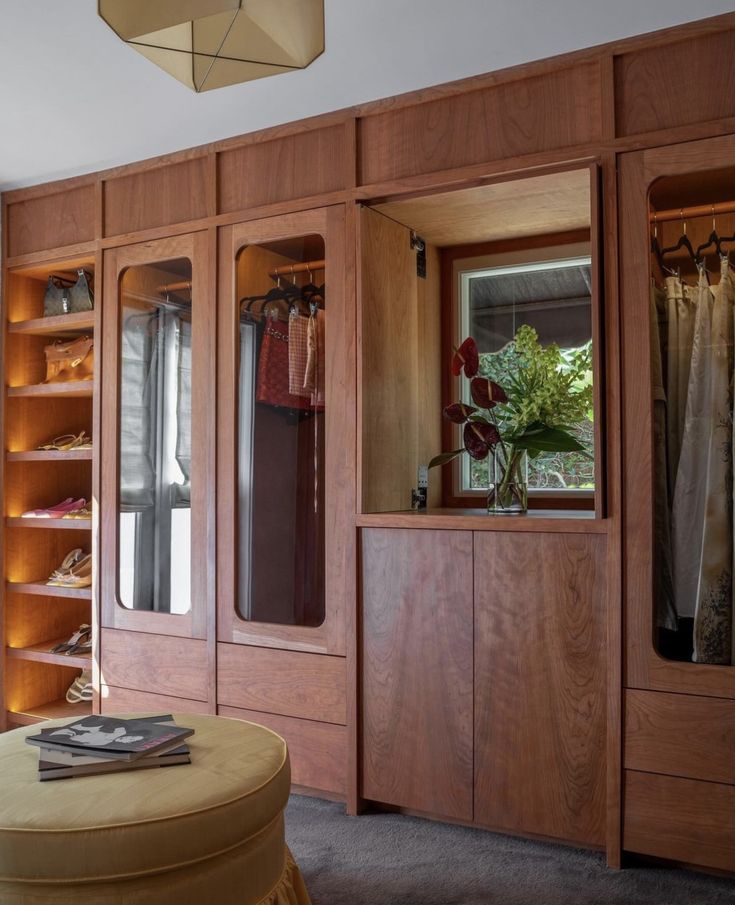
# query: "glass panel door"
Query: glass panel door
{"points": [[281, 291]]}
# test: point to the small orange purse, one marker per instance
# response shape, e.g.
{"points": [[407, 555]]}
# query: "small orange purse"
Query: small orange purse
{"points": [[68, 361]]}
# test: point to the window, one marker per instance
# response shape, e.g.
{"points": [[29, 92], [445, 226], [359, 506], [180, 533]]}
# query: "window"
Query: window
{"points": [[553, 296]]}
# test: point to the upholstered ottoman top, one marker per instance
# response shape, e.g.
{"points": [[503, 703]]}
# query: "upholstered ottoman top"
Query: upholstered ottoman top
{"points": [[139, 822]]}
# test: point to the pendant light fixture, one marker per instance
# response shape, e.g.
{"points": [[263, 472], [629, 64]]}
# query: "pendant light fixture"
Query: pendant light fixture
{"points": [[208, 44]]}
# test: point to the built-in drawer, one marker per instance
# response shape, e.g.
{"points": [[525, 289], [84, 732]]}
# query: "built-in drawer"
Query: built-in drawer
{"points": [[127, 700], [154, 663], [680, 735], [318, 751], [289, 683], [684, 820]]}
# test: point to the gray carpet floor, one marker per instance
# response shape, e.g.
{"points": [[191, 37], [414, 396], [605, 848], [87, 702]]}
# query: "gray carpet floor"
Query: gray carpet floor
{"points": [[388, 859]]}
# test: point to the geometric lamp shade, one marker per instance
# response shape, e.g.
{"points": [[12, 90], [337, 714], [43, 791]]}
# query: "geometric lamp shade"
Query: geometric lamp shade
{"points": [[208, 44]]}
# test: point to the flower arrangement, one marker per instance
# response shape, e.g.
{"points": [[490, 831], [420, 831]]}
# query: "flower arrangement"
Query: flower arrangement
{"points": [[536, 410]]}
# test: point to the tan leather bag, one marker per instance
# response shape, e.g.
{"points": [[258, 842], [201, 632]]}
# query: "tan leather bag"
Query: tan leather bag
{"points": [[72, 360]]}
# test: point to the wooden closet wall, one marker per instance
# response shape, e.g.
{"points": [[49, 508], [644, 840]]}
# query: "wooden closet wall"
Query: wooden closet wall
{"points": [[353, 700]]}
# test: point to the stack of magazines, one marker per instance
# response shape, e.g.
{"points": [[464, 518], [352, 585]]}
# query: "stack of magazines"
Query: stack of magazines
{"points": [[104, 744]]}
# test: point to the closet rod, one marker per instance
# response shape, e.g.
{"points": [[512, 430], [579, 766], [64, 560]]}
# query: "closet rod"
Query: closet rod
{"points": [[174, 287], [689, 213], [287, 269]]}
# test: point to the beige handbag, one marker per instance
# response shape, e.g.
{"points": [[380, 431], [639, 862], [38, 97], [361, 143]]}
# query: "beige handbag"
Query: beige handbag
{"points": [[67, 361]]}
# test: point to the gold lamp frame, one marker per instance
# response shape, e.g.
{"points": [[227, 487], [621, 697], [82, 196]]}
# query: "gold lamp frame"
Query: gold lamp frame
{"points": [[208, 44]]}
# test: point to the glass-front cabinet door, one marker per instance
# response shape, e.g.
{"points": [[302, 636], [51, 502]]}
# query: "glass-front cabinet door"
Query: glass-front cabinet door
{"points": [[157, 436], [286, 416]]}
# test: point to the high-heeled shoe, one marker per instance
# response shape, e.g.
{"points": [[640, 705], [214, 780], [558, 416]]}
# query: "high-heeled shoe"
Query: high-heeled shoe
{"points": [[67, 442], [78, 575], [58, 510], [72, 557]]}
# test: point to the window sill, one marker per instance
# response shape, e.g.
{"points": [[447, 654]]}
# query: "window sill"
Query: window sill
{"points": [[564, 521]]}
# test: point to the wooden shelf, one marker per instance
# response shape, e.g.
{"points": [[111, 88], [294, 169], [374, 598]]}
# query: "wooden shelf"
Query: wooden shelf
{"points": [[41, 653], [54, 710], [62, 325], [73, 389], [561, 521], [50, 455], [41, 589], [65, 524]]}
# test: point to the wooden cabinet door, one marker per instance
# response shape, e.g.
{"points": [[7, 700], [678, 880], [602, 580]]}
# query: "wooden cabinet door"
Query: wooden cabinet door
{"points": [[417, 669], [540, 684]]}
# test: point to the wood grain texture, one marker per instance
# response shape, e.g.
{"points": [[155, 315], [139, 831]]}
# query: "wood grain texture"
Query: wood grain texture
{"points": [[126, 700], [400, 354], [644, 668], [540, 685], [154, 663], [318, 751], [508, 209], [538, 113], [662, 87], [417, 670], [680, 735], [290, 683], [157, 197], [680, 819], [455, 519], [52, 220], [294, 166]]}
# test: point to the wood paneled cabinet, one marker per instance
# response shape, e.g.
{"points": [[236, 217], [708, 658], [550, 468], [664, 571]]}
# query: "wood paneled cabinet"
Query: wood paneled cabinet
{"points": [[483, 695]]}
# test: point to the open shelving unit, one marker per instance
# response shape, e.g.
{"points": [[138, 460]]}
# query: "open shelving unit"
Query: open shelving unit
{"points": [[38, 616]]}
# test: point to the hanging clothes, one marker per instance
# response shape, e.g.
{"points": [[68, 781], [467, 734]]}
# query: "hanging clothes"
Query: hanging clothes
{"points": [[680, 309], [273, 369], [314, 378], [298, 327], [702, 535]]}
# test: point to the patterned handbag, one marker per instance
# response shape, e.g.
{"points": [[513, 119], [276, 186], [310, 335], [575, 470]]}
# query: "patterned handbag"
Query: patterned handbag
{"points": [[81, 297], [57, 299]]}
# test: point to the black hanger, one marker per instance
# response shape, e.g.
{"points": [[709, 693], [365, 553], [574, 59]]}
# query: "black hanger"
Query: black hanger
{"points": [[683, 242]]}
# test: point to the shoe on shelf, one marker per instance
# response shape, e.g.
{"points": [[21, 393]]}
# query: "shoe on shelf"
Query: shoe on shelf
{"points": [[81, 688], [78, 513], [77, 575], [81, 636], [72, 557], [67, 442], [58, 510]]}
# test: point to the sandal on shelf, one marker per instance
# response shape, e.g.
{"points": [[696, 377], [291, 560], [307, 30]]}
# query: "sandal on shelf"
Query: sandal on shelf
{"points": [[66, 442], [58, 510], [78, 513], [81, 688], [81, 636], [72, 557], [77, 574]]}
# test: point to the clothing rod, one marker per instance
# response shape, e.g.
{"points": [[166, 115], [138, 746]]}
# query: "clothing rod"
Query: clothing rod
{"points": [[690, 213], [287, 269], [174, 287]]}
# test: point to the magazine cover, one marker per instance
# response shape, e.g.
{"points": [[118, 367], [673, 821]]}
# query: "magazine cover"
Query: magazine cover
{"points": [[106, 736]]}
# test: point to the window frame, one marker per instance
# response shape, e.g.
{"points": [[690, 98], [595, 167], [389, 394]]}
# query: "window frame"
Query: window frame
{"points": [[534, 249]]}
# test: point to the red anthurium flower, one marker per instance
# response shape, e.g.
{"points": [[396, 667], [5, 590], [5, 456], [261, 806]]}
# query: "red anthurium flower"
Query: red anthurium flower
{"points": [[480, 438], [458, 412], [466, 357], [486, 393]]}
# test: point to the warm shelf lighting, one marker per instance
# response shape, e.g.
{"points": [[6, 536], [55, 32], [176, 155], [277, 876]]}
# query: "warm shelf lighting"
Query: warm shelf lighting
{"points": [[209, 44]]}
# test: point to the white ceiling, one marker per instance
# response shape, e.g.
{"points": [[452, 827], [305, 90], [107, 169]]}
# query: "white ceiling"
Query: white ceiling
{"points": [[74, 98]]}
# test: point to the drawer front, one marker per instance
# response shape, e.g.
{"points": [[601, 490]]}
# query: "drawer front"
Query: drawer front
{"points": [[656, 743], [318, 751], [154, 663], [126, 700], [289, 683], [680, 819]]}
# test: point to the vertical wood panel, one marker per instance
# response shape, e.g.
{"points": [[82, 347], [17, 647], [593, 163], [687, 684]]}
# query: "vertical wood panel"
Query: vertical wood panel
{"points": [[294, 166], [675, 84], [555, 110], [540, 684], [417, 669], [51, 221]]}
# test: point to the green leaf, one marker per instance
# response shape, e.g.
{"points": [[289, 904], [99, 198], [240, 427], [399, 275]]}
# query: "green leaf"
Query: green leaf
{"points": [[443, 458], [548, 439]]}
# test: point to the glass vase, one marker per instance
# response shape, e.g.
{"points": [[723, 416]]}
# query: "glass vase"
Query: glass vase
{"points": [[508, 474]]}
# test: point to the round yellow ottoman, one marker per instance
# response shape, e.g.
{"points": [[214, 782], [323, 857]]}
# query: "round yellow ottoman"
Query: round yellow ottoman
{"points": [[209, 831]]}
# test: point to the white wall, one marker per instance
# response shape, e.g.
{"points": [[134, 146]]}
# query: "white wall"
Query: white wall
{"points": [[73, 98]]}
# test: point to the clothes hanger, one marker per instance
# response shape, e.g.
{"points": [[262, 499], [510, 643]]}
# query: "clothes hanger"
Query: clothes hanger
{"points": [[713, 239], [658, 252], [684, 242]]}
